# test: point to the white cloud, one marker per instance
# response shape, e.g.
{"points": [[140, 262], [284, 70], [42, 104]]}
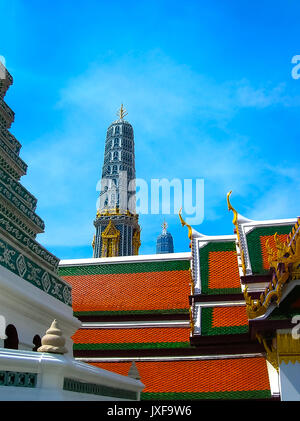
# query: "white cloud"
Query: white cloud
{"points": [[170, 107]]}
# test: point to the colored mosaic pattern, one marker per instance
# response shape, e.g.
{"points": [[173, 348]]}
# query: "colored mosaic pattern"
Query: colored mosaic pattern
{"points": [[240, 378], [16, 262], [27, 212], [95, 389], [10, 169], [28, 242], [123, 268], [133, 338], [256, 240], [223, 320], [219, 268], [7, 110], [14, 157], [17, 379], [17, 188], [11, 216], [130, 288], [11, 141]]}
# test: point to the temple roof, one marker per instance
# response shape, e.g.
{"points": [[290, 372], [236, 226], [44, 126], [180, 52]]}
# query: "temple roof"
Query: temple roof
{"points": [[130, 285], [240, 378], [132, 338], [223, 320]]}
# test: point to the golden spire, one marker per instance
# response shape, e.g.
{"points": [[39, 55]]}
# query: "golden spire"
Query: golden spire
{"points": [[164, 227], [122, 112]]}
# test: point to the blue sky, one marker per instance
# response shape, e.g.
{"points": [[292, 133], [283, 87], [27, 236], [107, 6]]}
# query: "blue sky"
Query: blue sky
{"points": [[208, 89]]}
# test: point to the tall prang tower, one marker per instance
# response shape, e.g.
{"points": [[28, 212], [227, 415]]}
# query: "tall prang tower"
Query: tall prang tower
{"points": [[117, 227]]}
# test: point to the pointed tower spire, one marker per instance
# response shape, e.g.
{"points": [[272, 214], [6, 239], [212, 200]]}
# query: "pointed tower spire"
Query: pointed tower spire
{"points": [[164, 242], [117, 209], [122, 112]]}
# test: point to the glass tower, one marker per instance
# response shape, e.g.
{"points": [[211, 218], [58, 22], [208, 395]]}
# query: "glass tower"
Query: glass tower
{"points": [[164, 243], [117, 228]]}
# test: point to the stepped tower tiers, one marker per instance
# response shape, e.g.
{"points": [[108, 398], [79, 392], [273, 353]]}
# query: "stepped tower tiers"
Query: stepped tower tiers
{"points": [[117, 228], [24, 263], [164, 243]]}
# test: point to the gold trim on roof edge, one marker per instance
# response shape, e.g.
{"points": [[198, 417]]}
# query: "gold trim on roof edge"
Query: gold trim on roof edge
{"points": [[271, 353], [183, 223], [235, 223], [284, 261], [284, 349]]}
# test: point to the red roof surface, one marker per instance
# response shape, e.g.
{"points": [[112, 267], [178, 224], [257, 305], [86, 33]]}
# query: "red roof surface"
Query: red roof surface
{"points": [[240, 374], [223, 270], [132, 335], [131, 291], [229, 316]]}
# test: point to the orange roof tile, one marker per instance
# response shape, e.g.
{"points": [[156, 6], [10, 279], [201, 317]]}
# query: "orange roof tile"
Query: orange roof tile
{"points": [[223, 270], [239, 374], [132, 335], [263, 239], [229, 316], [131, 291]]}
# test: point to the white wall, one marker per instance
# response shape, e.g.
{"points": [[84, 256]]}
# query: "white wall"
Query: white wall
{"points": [[32, 311], [289, 375]]}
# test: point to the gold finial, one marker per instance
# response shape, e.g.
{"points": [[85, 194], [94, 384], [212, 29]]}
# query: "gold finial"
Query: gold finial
{"points": [[183, 223], [122, 112], [235, 217], [164, 226]]}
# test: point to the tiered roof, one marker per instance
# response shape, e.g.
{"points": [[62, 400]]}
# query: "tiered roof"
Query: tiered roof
{"points": [[113, 287], [131, 338], [126, 306], [206, 379]]}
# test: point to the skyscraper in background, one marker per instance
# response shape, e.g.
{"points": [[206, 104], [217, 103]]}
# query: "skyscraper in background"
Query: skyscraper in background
{"points": [[164, 242]]}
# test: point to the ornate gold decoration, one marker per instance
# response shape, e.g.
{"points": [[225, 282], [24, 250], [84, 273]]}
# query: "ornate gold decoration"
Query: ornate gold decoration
{"points": [[235, 223], [192, 282], [136, 242], [271, 355], [122, 112], [285, 262], [93, 242], [183, 223], [231, 208], [192, 325], [110, 241], [288, 348], [114, 211]]}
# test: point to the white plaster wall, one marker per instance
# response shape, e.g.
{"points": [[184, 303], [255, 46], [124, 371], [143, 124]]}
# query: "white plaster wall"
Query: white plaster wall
{"points": [[32, 311], [289, 375], [51, 369]]}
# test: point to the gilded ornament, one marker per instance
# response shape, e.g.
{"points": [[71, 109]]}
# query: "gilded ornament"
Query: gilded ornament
{"points": [[235, 223], [183, 223], [285, 263]]}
